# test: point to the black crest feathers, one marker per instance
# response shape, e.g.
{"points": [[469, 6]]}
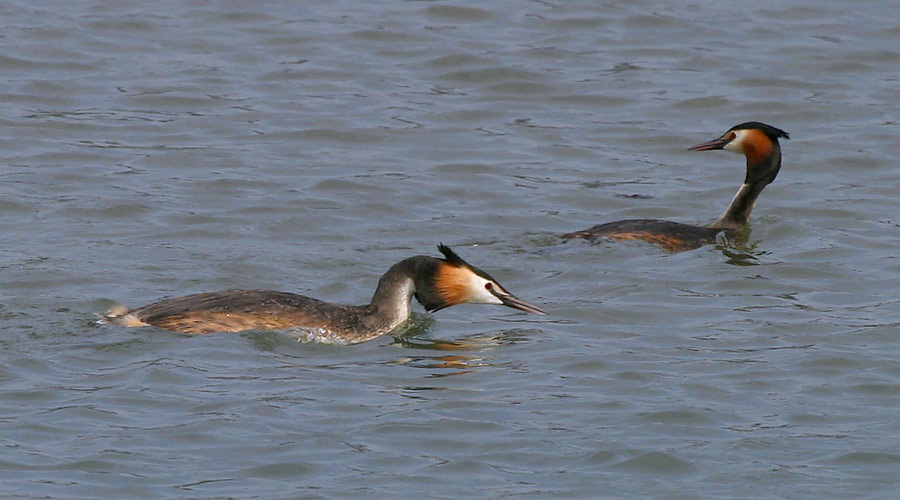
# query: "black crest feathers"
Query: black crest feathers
{"points": [[451, 256], [773, 132]]}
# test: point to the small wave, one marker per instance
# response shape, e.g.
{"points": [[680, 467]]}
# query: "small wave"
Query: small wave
{"points": [[318, 335]]}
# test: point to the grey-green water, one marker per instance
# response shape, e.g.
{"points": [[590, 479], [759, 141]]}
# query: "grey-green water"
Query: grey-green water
{"points": [[164, 148]]}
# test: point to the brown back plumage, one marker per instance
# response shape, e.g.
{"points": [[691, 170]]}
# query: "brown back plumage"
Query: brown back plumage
{"points": [[233, 311]]}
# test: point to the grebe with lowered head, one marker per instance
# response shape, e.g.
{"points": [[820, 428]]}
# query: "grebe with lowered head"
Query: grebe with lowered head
{"points": [[758, 142], [435, 283]]}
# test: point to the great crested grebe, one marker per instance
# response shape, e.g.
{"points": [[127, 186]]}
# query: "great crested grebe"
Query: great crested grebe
{"points": [[436, 283], [758, 142]]}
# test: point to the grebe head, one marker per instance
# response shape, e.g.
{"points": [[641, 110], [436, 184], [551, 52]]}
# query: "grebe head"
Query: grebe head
{"points": [[454, 281], [747, 138], [756, 141]]}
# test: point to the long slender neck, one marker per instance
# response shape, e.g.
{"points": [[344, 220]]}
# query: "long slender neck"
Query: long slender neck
{"points": [[738, 213], [760, 173], [390, 305], [390, 302]]}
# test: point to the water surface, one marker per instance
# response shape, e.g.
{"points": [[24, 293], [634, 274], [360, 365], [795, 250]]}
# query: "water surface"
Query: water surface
{"points": [[167, 148]]}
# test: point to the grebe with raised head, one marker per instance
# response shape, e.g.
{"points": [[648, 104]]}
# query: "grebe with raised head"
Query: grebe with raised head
{"points": [[435, 283], [758, 142]]}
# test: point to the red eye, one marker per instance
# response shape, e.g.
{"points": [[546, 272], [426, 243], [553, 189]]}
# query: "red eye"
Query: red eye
{"points": [[488, 286], [731, 136]]}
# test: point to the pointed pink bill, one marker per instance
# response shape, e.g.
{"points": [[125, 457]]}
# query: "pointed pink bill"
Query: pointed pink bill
{"points": [[709, 146]]}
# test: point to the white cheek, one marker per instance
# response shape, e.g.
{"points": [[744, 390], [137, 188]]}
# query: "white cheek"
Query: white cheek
{"points": [[737, 144], [480, 294]]}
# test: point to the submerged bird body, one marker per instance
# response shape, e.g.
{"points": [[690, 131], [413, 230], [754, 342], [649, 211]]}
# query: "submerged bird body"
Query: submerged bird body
{"points": [[758, 142], [672, 236], [436, 283]]}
